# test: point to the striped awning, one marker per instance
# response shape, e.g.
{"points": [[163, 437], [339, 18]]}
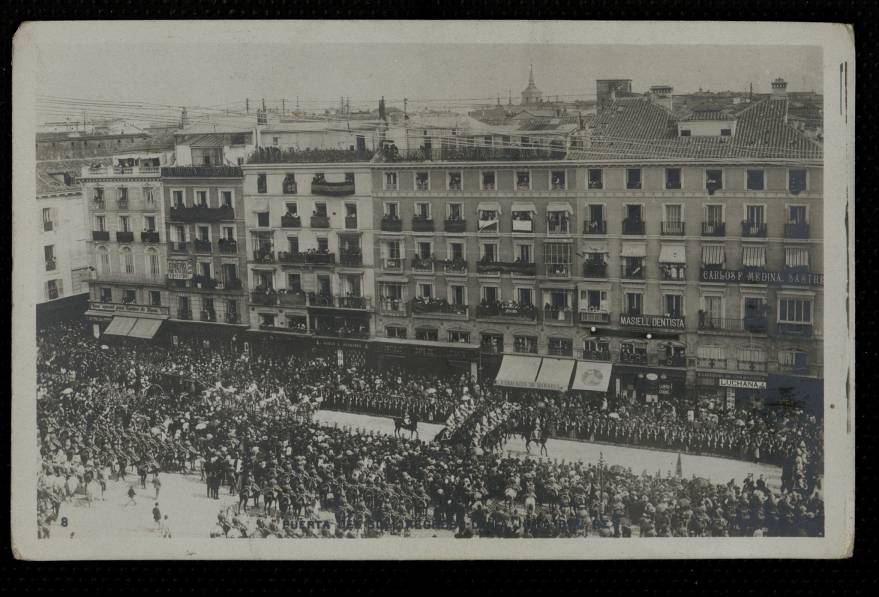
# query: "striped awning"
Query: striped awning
{"points": [[634, 250], [796, 257], [523, 206], [518, 372], [559, 206], [754, 256], [713, 255], [555, 374], [672, 253], [145, 328], [120, 326]]}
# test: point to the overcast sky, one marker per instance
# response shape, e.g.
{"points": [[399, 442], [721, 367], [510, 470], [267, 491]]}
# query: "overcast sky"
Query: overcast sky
{"points": [[208, 74]]}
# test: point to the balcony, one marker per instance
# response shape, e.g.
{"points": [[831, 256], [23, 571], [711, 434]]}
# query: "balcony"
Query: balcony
{"points": [[669, 272], [523, 225], [200, 245], [422, 185], [184, 314], [228, 246], [232, 284], [632, 273], [391, 224], [753, 325], [200, 172], [422, 224], [204, 282], [292, 298], [672, 228], [232, 317], [310, 257], [320, 221], [291, 222], [754, 366], [429, 307], [423, 265], [796, 231], [518, 268], [100, 235], [352, 302], [125, 237], [633, 227], [595, 227], [122, 204], [558, 316], [198, 213], [176, 246], [508, 310], [753, 229], [351, 257], [392, 264], [633, 358], [350, 222], [595, 355], [594, 270], [673, 360], [713, 229], [393, 307], [332, 189], [51, 264], [265, 297], [149, 236], [320, 300], [456, 226], [558, 270], [263, 256], [456, 266], [558, 226], [209, 316], [798, 330], [591, 317]]}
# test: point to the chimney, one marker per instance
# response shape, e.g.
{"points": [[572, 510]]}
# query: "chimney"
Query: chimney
{"points": [[779, 88], [662, 95]]}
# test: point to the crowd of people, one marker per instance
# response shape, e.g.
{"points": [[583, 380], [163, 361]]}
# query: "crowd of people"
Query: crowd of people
{"points": [[245, 422]]}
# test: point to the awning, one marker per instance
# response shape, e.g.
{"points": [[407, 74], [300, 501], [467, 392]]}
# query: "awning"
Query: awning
{"points": [[634, 250], [523, 206], [592, 376], [145, 328], [559, 206], [120, 326], [672, 253], [489, 206], [596, 247], [796, 257], [713, 255], [555, 374], [754, 256], [518, 372]]}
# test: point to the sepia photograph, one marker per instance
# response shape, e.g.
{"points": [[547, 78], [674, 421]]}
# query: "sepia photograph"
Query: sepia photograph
{"points": [[438, 297]]}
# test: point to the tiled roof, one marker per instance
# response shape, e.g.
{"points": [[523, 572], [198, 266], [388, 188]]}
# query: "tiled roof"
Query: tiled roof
{"points": [[637, 128], [48, 170], [702, 115]]}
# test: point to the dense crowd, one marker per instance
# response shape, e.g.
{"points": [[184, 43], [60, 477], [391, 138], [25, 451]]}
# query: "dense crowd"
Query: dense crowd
{"points": [[244, 422]]}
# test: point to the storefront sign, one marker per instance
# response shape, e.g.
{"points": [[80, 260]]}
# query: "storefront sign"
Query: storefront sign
{"points": [[180, 270], [338, 344], [744, 384], [427, 351], [761, 277], [120, 307], [652, 321]]}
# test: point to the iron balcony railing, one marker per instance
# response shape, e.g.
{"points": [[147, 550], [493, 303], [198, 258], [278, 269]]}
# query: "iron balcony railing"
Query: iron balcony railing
{"points": [[595, 227], [393, 264], [754, 325], [332, 189], [633, 226], [149, 236], [307, 258], [523, 225], [228, 246], [184, 314], [590, 317], [351, 257], [291, 222], [391, 224], [637, 358], [800, 330], [420, 224], [434, 306], [267, 297], [351, 222], [352, 302], [753, 229], [198, 213], [672, 228], [508, 310], [264, 256], [201, 246], [456, 225], [796, 230], [594, 270], [177, 246], [422, 264], [232, 317], [200, 171], [518, 268], [713, 229], [320, 221], [632, 273], [292, 298], [455, 266], [393, 307], [125, 237], [100, 235], [563, 316], [558, 270]]}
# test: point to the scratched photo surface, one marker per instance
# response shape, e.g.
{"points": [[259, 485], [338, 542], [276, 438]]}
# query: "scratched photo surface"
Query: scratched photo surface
{"points": [[428, 293]]}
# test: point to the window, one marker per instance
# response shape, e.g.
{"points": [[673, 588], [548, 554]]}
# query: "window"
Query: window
{"points": [[177, 199], [672, 178], [101, 223], [129, 297], [456, 336], [526, 344], [523, 253], [261, 184], [422, 211], [320, 209], [293, 245], [155, 298], [685, 132], [323, 244], [238, 139], [153, 266], [673, 222], [201, 198], [713, 179], [395, 332], [226, 198], [796, 214], [523, 181], [797, 180], [426, 334], [525, 296], [595, 178], [794, 359], [351, 210], [673, 305], [560, 347], [558, 180], [594, 300], [453, 180], [422, 181], [456, 212], [492, 343], [275, 141], [490, 294], [127, 260], [205, 269], [725, 132], [106, 295], [262, 219], [49, 255], [228, 233], [425, 290], [632, 303], [633, 178], [456, 251], [754, 215], [714, 215], [122, 194], [754, 179], [557, 258], [393, 249], [103, 260], [390, 181], [149, 223], [795, 310], [203, 233], [125, 223], [487, 181], [392, 210], [488, 253], [266, 320]]}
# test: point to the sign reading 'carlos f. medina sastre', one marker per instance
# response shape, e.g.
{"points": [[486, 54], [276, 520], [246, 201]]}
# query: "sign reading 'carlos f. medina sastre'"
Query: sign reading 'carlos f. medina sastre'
{"points": [[652, 321], [743, 276]]}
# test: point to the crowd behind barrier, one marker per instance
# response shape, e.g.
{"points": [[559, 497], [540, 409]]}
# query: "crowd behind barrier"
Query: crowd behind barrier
{"points": [[247, 427]]}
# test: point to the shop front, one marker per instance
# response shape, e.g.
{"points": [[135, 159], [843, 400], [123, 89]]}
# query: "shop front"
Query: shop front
{"points": [[432, 358], [647, 385], [724, 392]]}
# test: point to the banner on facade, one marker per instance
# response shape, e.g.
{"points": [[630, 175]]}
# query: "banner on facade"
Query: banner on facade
{"points": [[652, 321], [180, 270], [762, 277]]}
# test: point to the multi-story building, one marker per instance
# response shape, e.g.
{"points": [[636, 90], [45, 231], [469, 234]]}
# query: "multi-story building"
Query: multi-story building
{"points": [[123, 203], [310, 267], [670, 257], [63, 275]]}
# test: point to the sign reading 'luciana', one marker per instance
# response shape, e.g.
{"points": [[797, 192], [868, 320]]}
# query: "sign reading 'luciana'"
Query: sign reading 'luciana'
{"points": [[652, 321], [762, 277]]}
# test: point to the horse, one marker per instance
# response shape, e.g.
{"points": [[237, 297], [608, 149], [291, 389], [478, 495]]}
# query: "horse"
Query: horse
{"points": [[531, 433], [243, 497], [406, 422]]}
